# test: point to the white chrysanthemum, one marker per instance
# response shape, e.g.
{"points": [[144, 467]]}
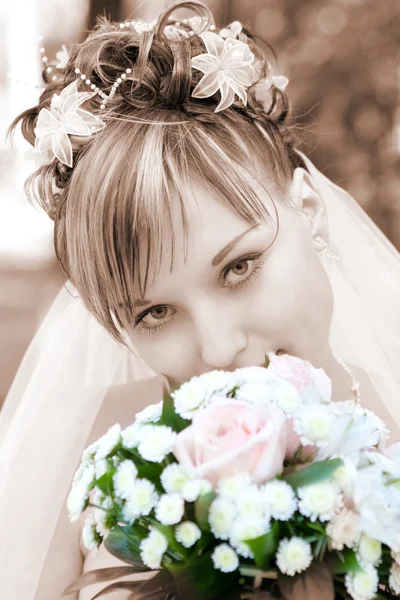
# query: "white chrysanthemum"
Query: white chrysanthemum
{"points": [[170, 509], [293, 556], [77, 501], [98, 497], [101, 516], [254, 392], [90, 537], [394, 578], [250, 503], [345, 476], [218, 382], [174, 477], [108, 442], [260, 374], [362, 585], [191, 396], [142, 500], [132, 435], [321, 500], [85, 475], [194, 488], [230, 487], [158, 540], [280, 499], [314, 424], [100, 468], [287, 398], [187, 533], [89, 453], [150, 414], [247, 528], [157, 441], [79, 472], [344, 529], [152, 549], [124, 479], [221, 517], [225, 558], [369, 551]]}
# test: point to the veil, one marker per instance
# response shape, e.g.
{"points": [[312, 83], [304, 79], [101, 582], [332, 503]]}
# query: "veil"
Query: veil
{"points": [[74, 372]]}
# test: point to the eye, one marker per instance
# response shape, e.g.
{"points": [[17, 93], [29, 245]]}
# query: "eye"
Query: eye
{"points": [[156, 318], [243, 268], [158, 313]]}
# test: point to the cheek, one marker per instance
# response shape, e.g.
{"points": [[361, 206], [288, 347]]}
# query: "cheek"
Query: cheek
{"points": [[294, 297], [166, 353]]}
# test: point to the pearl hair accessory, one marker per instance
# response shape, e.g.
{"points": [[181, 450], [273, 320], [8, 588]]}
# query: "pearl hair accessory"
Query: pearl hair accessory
{"points": [[185, 28], [105, 97], [355, 385], [228, 66]]}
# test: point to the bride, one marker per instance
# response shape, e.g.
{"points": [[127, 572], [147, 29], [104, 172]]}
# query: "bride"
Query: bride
{"points": [[195, 237]]}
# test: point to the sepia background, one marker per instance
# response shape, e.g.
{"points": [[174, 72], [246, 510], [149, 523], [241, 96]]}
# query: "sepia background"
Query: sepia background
{"points": [[342, 60]]}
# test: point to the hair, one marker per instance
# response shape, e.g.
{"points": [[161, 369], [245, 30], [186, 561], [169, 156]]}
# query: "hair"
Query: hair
{"points": [[157, 137]]}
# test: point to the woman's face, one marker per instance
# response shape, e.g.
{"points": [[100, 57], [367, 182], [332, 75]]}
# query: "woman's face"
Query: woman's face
{"points": [[235, 298]]}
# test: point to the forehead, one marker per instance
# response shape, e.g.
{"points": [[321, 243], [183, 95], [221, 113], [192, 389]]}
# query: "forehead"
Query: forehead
{"points": [[191, 237]]}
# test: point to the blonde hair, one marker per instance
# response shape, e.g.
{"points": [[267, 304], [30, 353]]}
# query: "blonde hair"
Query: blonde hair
{"points": [[115, 202]]}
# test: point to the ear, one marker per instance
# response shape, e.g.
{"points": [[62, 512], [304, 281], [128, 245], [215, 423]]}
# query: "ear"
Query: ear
{"points": [[308, 201]]}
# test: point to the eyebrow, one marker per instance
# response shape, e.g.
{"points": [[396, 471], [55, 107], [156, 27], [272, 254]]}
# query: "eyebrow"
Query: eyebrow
{"points": [[215, 261], [225, 251]]}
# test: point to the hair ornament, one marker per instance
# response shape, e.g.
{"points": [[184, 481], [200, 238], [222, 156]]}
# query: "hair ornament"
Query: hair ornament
{"points": [[228, 66], [63, 57], [233, 30], [263, 89], [64, 118]]}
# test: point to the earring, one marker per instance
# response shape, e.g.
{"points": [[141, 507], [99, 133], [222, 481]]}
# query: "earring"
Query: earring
{"points": [[326, 251]]}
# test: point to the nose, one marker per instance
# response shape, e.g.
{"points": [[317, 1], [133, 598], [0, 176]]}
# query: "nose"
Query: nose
{"points": [[220, 336]]}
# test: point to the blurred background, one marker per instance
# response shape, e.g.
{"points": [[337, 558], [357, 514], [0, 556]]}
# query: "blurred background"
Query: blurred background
{"points": [[342, 60]]}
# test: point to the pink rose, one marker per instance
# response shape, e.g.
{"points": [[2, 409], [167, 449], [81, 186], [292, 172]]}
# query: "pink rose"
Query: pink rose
{"points": [[230, 436], [301, 374]]}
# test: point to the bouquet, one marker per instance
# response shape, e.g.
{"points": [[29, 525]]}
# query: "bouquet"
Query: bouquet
{"points": [[246, 483]]}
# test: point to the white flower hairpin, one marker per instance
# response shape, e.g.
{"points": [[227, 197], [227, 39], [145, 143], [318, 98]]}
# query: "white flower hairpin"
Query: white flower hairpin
{"points": [[228, 66], [64, 118], [263, 89], [63, 57]]}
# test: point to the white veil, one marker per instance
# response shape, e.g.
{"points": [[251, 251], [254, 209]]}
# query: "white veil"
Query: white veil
{"points": [[73, 367]]}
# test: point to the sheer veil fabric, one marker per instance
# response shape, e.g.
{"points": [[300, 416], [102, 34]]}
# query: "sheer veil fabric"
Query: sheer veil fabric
{"points": [[65, 379]]}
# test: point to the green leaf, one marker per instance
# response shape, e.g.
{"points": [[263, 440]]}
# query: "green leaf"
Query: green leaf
{"points": [[169, 417], [105, 482], [123, 542], [267, 361], [395, 482], [205, 540], [197, 579], [151, 471], [201, 509], [265, 546], [340, 563], [315, 526], [314, 473]]}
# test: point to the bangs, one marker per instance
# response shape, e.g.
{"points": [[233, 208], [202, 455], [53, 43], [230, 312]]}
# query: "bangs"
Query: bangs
{"points": [[138, 171]]}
